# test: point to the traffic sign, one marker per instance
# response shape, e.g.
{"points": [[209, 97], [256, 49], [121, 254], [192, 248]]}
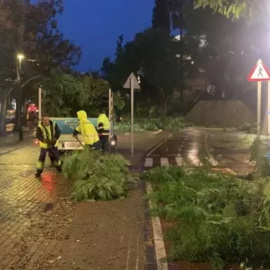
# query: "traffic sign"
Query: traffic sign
{"points": [[135, 82], [132, 83], [259, 73]]}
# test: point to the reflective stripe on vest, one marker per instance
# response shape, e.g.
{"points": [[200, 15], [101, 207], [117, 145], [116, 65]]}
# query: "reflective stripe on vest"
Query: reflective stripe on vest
{"points": [[46, 135], [105, 122]]}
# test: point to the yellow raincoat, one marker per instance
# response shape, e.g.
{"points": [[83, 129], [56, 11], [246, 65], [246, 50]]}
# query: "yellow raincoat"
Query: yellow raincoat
{"points": [[103, 124], [87, 129]]}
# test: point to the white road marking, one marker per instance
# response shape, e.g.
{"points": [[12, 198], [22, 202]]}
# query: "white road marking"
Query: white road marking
{"points": [[179, 161], [212, 161], [156, 147], [164, 162], [148, 162]]}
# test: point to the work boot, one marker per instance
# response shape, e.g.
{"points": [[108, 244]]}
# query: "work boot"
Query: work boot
{"points": [[59, 168], [38, 174]]}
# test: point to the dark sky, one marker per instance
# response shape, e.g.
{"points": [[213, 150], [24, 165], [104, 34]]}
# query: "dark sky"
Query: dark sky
{"points": [[95, 25]]}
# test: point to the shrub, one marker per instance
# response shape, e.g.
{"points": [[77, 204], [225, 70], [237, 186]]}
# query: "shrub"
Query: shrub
{"points": [[97, 176], [218, 219], [153, 124], [259, 154], [248, 128]]}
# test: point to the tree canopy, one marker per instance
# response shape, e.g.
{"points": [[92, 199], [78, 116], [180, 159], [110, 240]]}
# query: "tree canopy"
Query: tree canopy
{"points": [[218, 41], [68, 93], [31, 29], [235, 8]]}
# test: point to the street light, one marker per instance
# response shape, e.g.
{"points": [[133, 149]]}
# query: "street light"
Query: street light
{"points": [[20, 57]]}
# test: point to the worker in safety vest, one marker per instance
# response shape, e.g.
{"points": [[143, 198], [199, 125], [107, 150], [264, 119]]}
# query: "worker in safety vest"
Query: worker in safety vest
{"points": [[48, 134], [103, 129], [88, 131]]}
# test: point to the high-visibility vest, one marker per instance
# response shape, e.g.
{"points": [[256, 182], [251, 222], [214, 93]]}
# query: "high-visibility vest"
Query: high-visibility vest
{"points": [[47, 133], [103, 123]]}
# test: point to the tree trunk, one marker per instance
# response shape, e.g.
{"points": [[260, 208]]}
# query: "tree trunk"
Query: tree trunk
{"points": [[182, 69], [3, 113], [164, 106], [25, 112], [18, 122]]}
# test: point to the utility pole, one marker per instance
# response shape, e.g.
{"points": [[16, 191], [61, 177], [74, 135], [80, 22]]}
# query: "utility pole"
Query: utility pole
{"points": [[20, 57], [39, 103]]}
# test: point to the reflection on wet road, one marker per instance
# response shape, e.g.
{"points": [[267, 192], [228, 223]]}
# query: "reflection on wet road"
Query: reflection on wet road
{"points": [[187, 148]]}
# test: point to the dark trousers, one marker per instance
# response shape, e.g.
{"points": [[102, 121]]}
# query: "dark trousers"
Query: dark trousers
{"points": [[53, 153], [95, 146], [104, 141]]}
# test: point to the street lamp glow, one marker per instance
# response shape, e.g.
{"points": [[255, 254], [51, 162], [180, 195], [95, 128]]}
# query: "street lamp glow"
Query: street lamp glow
{"points": [[20, 57]]}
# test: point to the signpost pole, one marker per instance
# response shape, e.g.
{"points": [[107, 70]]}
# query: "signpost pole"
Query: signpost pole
{"points": [[39, 103], [268, 113], [259, 109], [132, 84], [110, 113], [132, 115]]}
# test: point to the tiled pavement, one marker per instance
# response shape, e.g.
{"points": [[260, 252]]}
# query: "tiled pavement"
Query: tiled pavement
{"points": [[41, 229], [22, 200], [11, 141]]}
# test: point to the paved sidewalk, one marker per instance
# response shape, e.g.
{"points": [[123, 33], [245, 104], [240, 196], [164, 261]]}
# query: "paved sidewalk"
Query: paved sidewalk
{"points": [[40, 228], [11, 141]]}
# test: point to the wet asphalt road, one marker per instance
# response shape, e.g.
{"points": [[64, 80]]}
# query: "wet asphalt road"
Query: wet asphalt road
{"points": [[224, 150], [187, 148]]}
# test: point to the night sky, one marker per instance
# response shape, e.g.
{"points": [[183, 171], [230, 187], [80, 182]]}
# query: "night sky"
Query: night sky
{"points": [[95, 25]]}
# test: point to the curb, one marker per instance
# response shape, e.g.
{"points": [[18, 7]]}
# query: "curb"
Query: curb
{"points": [[158, 236], [157, 132], [154, 132]]}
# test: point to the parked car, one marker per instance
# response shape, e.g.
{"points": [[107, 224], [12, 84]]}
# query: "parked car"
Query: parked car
{"points": [[10, 116]]}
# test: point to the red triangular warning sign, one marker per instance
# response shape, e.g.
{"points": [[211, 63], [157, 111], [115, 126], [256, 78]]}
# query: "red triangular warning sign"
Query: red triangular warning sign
{"points": [[259, 73]]}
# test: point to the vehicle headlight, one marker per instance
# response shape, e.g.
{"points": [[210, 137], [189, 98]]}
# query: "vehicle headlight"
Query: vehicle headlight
{"points": [[113, 142]]}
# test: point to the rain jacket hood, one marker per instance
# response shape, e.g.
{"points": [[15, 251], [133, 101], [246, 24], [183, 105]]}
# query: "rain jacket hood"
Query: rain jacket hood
{"points": [[82, 116], [86, 128]]}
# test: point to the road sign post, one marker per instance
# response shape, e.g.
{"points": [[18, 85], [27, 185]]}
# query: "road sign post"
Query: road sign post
{"points": [[39, 103], [259, 110], [132, 115], [111, 112], [258, 74], [268, 113], [132, 84]]}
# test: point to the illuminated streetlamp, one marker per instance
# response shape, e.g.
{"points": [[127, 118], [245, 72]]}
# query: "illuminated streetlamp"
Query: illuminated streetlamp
{"points": [[20, 57]]}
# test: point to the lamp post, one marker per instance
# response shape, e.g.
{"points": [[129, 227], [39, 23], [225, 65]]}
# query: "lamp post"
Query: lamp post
{"points": [[20, 57]]}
